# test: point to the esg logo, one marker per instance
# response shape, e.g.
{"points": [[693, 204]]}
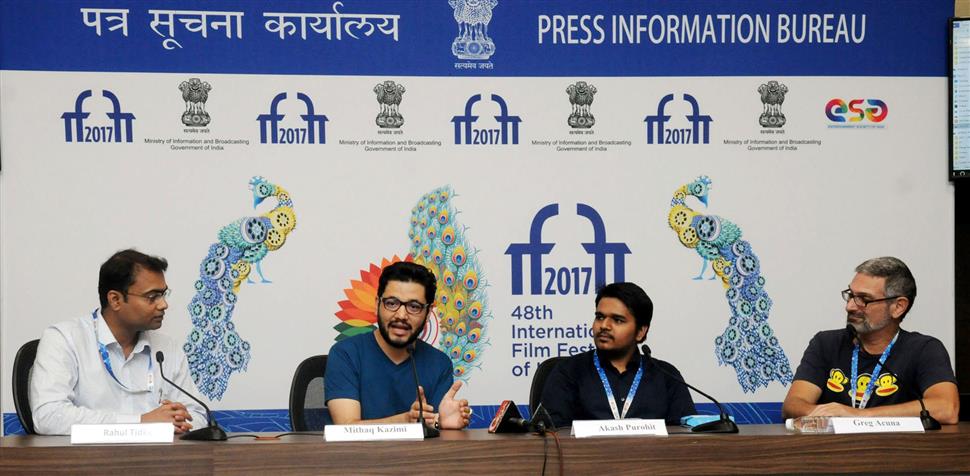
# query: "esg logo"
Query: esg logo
{"points": [[837, 110]]}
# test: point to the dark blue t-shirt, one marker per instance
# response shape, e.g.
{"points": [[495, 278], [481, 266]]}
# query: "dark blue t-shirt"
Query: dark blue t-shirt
{"points": [[915, 363], [358, 369]]}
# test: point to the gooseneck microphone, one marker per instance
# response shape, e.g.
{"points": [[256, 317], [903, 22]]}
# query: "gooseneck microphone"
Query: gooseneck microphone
{"points": [[929, 423], [722, 425], [213, 432], [429, 432], [540, 423]]}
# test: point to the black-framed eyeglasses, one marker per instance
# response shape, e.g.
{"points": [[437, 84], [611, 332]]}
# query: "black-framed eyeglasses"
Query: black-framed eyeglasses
{"points": [[153, 296], [392, 304], [861, 301]]}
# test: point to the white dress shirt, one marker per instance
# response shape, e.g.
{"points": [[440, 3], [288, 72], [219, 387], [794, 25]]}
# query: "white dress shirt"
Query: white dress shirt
{"points": [[70, 382]]}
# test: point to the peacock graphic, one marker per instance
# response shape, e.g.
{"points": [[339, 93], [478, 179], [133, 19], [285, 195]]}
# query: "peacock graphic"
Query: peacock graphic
{"points": [[748, 343], [439, 243], [214, 349]]}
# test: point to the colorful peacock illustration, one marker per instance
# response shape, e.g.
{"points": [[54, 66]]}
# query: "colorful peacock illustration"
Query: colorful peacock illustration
{"points": [[748, 343], [214, 348], [440, 243]]}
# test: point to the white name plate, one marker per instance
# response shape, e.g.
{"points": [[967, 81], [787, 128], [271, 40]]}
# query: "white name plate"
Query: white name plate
{"points": [[382, 432], [123, 433], [627, 427], [845, 425]]}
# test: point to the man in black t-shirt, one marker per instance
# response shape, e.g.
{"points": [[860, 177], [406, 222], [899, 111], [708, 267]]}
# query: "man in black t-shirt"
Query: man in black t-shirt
{"points": [[576, 390], [872, 367]]}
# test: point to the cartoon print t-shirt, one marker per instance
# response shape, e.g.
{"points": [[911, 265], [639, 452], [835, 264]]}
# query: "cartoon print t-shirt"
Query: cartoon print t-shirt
{"points": [[915, 363]]}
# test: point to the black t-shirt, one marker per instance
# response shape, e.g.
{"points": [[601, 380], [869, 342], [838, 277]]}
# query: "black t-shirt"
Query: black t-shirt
{"points": [[918, 361], [574, 391]]}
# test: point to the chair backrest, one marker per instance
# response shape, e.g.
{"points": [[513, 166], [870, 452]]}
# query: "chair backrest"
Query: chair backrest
{"points": [[539, 381], [964, 407], [308, 408], [22, 365]]}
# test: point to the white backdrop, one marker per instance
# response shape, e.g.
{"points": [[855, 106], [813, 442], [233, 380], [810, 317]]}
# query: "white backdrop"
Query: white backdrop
{"points": [[810, 214]]}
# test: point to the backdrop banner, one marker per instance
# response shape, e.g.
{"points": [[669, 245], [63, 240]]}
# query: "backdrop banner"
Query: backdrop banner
{"points": [[737, 159]]}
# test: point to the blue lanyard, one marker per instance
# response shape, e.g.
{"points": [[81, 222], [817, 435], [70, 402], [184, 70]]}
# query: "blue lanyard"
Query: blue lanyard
{"points": [[103, 350], [609, 391], [872, 378]]}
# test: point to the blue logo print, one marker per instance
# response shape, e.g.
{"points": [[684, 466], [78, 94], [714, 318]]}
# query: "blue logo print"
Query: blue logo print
{"points": [[269, 124], [566, 280], [698, 133], [466, 134], [76, 131]]}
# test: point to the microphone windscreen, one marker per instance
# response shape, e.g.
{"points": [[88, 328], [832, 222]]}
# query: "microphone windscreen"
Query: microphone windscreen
{"points": [[851, 330], [502, 423], [159, 356]]}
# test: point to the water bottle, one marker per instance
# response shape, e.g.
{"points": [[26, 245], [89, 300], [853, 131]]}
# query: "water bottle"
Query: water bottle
{"points": [[810, 424]]}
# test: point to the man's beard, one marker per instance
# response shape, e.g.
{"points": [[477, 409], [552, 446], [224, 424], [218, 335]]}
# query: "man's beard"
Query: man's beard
{"points": [[382, 327], [864, 326]]}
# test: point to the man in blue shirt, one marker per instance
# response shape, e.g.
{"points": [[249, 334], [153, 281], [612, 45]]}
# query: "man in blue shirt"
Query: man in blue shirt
{"points": [[615, 381], [369, 377]]}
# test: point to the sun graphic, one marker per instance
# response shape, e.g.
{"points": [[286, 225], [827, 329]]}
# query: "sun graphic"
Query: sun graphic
{"points": [[358, 313]]}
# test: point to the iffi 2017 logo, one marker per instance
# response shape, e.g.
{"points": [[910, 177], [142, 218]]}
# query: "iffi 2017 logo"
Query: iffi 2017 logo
{"points": [[507, 131], [566, 280], [313, 129], [75, 129], [856, 110], [699, 131]]}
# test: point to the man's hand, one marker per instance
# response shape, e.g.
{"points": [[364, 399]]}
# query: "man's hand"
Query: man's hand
{"points": [[414, 415], [454, 414], [170, 412], [835, 410]]}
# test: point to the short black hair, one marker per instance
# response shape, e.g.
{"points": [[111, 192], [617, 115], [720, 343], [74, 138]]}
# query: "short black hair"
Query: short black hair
{"points": [[408, 272], [633, 297], [118, 272]]}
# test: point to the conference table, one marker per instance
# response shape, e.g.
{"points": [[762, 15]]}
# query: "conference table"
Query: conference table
{"points": [[756, 449]]}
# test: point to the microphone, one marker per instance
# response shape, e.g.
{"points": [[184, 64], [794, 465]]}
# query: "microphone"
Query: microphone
{"points": [[929, 423], [723, 425], [213, 432], [429, 432], [508, 420]]}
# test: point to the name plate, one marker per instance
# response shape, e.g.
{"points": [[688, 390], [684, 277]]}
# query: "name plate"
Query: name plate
{"points": [[382, 432], [123, 433], [626, 427], [845, 425]]}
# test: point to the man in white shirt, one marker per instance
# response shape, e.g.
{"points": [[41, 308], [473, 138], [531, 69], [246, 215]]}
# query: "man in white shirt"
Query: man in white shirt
{"points": [[100, 367]]}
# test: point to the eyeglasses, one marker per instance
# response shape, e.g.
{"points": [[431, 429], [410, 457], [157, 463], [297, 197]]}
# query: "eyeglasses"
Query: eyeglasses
{"points": [[861, 301], [153, 296], [412, 307]]}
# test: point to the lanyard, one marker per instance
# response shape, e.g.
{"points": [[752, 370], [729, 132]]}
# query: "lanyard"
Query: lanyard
{"points": [[609, 391], [872, 378], [103, 351]]}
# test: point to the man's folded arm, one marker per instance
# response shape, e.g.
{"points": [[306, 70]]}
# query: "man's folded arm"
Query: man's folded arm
{"points": [[346, 411], [802, 398], [942, 401]]}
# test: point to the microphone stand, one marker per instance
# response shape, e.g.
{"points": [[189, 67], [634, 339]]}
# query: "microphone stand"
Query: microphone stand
{"points": [[213, 432], [429, 432], [722, 425], [929, 423]]}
